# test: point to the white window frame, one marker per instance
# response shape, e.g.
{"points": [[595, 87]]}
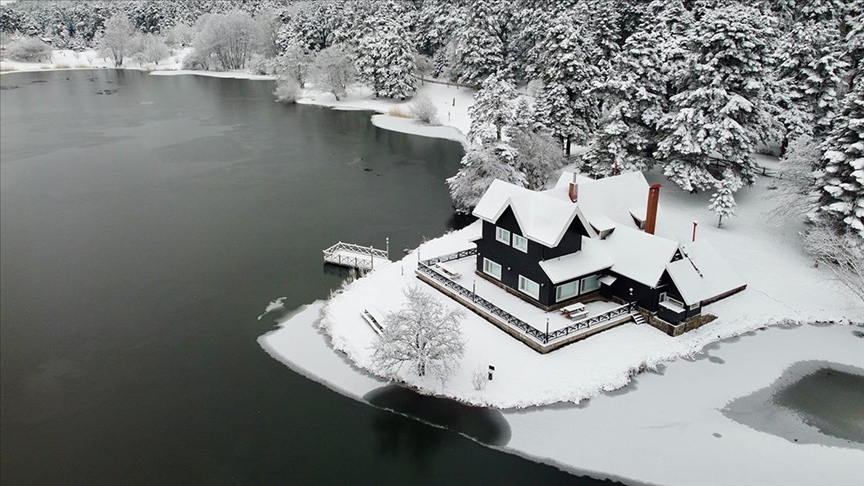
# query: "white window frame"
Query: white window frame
{"points": [[522, 245], [583, 290], [502, 235], [575, 285], [694, 306], [488, 265], [524, 287]]}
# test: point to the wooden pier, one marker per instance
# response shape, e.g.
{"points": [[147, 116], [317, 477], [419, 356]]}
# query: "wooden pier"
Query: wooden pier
{"points": [[364, 258]]}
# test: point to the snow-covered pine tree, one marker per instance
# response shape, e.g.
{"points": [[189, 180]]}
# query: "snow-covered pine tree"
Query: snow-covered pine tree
{"points": [[481, 166], [385, 61], [720, 112], [841, 177], [634, 101], [723, 200], [565, 108], [810, 69], [481, 43], [854, 41], [493, 110]]}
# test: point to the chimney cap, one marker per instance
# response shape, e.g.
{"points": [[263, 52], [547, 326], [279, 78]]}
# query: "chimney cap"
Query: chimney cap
{"points": [[656, 186]]}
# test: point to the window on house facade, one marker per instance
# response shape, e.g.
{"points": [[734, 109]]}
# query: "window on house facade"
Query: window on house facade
{"points": [[529, 287], [590, 283], [502, 235], [566, 291], [491, 268], [520, 243], [694, 306]]}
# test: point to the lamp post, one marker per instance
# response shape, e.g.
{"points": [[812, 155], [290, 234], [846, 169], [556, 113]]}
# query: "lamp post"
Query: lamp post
{"points": [[474, 291], [693, 240], [631, 298]]}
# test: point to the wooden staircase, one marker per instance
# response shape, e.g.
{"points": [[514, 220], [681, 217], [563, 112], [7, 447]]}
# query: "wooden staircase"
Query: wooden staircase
{"points": [[637, 318]]}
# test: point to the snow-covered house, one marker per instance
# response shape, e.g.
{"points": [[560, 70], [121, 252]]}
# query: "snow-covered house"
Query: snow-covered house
{"points": [[585, 238]]}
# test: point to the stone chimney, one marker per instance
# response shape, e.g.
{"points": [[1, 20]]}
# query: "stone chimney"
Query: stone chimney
{"points": [[574, 189], [651, 210]]}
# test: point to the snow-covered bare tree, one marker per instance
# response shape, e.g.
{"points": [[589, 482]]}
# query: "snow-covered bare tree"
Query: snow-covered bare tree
{"points": [[29, 49], [720, 111], [841, 176], [385, 61], [841, 253], [333, 71], [294, 63], [492, 110], [181, 35], [117, 38], [481, 166], [424, 110], [723, 200], [230, 38], [538, 156], [424, 334], [150, 49], [796, 194]]}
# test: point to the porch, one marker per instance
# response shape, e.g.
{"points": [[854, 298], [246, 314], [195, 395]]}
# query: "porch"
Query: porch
{"points": [[543, 331]]}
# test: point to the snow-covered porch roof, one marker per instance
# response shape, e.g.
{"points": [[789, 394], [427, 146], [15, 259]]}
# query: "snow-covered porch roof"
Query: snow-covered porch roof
{"points": [[702, 274]]}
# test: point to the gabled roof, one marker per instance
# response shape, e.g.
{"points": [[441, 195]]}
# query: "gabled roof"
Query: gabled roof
{"points": [[640, 256], [702, 274], [590, 259], [541, 218]]}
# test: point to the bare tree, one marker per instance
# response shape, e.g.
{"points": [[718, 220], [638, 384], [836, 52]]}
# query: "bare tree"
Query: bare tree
{"points": [[151, 49], [841, 254], [294, 63], [333, 71], [796, 182], [230, 38], [29, 49], [181, 35], [117, 38], [424, 333], [424, 110]]}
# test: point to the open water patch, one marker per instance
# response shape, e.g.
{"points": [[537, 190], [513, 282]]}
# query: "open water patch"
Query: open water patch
{"points": [[813, 402], [485, 425]]}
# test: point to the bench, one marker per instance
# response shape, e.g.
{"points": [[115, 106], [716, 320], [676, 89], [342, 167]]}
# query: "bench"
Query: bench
{"points": [[447, 272], [374, 318], [575, 311]]}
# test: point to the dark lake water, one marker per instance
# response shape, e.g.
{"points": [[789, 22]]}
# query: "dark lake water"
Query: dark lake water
{"points": [[145, 222]]}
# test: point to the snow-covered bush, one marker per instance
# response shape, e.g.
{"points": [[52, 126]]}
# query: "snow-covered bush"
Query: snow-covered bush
{"points": [[424, 333], [194, 61], [29, 49], [479, 378], [841, 253], [262, 65], [294, 62], [287, 90], [424, 110]]}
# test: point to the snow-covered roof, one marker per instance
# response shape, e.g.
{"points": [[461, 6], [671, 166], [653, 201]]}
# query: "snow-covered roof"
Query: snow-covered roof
{"points": [[702, 274], [640, 256], [590, 259], [541, 218]]}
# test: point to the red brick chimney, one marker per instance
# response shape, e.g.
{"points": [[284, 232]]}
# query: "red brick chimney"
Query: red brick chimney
{"points": [[574, 189], [651, 210]]}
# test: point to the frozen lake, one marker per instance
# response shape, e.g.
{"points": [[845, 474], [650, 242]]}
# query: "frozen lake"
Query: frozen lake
{"points": [[146, 222]]}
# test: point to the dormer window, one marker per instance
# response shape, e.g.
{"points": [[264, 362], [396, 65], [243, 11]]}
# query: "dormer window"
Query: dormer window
{"points": [[502, 235]]}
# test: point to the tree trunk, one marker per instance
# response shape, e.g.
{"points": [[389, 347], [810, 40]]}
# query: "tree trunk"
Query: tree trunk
{"points": [[720, 220], [567, 147]]}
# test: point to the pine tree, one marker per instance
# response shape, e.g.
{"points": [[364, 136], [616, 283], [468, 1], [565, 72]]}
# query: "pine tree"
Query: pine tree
{"points": [[723, 200], [385, 61], [481, 45], [635, 97], [493, 110], [841, 177], [810, 74], [720, 111], [565, 108]]}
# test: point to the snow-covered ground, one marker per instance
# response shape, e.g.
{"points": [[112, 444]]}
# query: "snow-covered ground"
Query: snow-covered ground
{"points": [[665, 427], [90, 59]]}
